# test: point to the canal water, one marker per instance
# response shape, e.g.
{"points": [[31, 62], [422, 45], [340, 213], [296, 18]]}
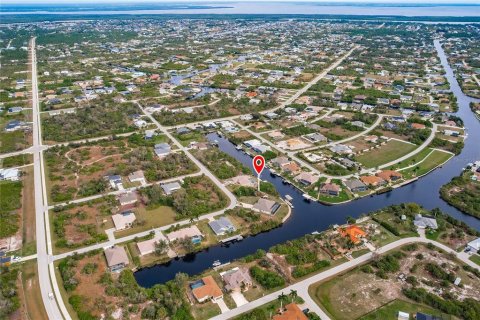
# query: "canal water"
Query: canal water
{"points": [[308, 217]]}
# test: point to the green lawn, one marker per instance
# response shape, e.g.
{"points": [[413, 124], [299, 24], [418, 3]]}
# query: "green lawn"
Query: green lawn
{"points": [[411, 160], [435, 159], [390, 311], [392, 150], [154, 218], [475, 258], [16, 161]]}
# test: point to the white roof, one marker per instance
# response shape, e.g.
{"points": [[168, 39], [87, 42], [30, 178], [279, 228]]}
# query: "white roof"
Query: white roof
{"points": [[6, 174], [123, 220], [475, 244]]}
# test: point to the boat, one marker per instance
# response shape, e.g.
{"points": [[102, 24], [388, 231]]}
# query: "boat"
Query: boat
{"points": [[307, 197], [216, 263], [273, 173], [288, 197], [238, 147], [285, 181]]}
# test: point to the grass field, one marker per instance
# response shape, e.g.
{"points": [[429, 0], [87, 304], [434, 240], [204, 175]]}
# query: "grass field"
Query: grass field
{"points": [[390, 311], [411, 160], [435, 159], [392, 150], [31, 292], [475, 258], [16, 161], [155, 218]]}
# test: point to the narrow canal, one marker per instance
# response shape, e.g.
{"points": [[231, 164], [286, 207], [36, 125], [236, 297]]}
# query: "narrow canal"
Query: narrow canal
{"points": [[309, 217]]}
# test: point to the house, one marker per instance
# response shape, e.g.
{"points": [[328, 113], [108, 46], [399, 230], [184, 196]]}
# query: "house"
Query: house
{"points": [[373, 181], [389, 175], [12, 110], [451, 133], [266, 206], [115, 182], [355, 233], [425, 222], [291, 312], [237, 279], [474, 245], [291, 168], [403, 315], [171, 187], [341, 149], [330, 189], [279, 161], [315, 137], [148, 246], [355, 185], [117, 258], [162, 150], [222, 226], [306, 178], [189, 232], [15, 125], [10, 174], [123, 220], [127, 198], [137, 176], [206, 289]]}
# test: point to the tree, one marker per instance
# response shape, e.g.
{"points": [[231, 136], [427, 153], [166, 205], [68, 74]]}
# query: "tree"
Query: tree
{"points": [[282, 298], [293, 294], [160, 247]]}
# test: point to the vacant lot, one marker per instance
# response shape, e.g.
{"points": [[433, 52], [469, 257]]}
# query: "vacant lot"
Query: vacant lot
{"points": [[365, 289], [80, 171], [94, 121], [392, 150]]}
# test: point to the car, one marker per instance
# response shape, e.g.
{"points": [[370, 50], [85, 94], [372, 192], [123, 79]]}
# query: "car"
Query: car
{"points": [[16, 259], [50, 295]]}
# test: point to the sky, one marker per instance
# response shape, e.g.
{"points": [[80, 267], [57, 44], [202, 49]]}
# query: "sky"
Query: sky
{"points": [[220, 1]]}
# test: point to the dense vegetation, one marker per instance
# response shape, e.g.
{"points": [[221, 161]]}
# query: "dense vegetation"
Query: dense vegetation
{"points": [[9, 300], [267, 279], [10, 202], [198, 196], [167, 300], [463, 193], [92, 121], [220, 163]]}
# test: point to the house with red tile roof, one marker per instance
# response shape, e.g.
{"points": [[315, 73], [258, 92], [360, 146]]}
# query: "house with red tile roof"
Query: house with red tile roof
{"points": [[355, 233]]}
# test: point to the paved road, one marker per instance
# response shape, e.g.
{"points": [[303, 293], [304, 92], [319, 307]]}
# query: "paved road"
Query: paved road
{"points": [[302, 286], [203, 169], [117, 192], [45, 267], [414, 152]]}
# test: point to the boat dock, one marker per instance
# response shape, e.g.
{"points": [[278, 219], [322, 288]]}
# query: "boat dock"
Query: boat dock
{"points": [[233, 238]]}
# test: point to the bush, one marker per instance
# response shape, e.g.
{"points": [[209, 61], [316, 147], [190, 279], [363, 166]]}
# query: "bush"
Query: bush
{"points": [[265, 278]]}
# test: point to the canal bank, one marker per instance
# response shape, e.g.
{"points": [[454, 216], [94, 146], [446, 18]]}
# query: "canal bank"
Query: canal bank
{"points": [[308, 217]]}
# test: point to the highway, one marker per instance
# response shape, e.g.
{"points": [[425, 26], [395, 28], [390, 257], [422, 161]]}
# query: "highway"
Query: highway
{"points": [[51, 297]]}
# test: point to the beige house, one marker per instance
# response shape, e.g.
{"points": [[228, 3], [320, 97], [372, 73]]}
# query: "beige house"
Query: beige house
{"points": [[189, 232], [237, 279], [117, 258], [123, 220]]}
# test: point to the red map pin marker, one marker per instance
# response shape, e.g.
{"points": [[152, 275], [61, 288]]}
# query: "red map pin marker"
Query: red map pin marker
{"points": [[258, 164]]}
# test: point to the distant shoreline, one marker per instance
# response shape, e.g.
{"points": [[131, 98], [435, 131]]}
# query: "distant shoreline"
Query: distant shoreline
{"points": [[10, 18]]}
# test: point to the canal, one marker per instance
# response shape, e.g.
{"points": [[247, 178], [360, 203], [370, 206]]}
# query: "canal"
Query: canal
{"points": [[308, 217]]}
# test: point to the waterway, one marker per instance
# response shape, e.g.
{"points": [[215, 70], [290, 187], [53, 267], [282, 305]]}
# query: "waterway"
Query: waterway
{"points": [[309, 217]]}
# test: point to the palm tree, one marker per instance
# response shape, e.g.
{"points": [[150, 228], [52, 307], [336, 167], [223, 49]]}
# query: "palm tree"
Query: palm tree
{"points": [[293, 294], [282, 297]]}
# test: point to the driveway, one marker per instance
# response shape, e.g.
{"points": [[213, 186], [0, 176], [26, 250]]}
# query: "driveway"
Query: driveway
{"points": [[222, 305], [239, 298]]}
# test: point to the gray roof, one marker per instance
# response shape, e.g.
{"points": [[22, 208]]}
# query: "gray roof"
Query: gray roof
{"points": [[354, 183], [168, 188], [424, 222], [221, 225]]}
